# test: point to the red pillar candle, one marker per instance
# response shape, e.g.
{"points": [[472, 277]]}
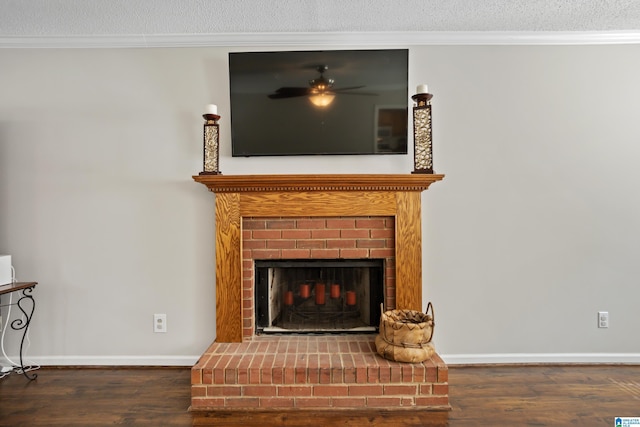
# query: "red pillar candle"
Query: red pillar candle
{"points": [[320, 293], [304, 290], [351, 298], [335, 290], [288, 298]]}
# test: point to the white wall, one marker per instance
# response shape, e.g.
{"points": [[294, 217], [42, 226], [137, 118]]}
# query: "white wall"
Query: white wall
{"points": [[534, 229]]}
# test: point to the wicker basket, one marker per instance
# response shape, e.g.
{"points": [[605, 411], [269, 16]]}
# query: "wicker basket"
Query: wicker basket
{"points": [[405, 335]]}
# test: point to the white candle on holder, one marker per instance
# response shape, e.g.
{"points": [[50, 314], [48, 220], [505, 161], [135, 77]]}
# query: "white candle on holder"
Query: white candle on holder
{"points": [[422, 89], [211, 109]]}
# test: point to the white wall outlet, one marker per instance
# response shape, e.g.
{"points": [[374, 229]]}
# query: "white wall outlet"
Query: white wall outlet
{"points": [[603, 319], [159, 323]]}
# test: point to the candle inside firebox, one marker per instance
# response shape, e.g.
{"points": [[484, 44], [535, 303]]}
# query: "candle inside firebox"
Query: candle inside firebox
{"points": [[351, 298], [288, 298], [304, 290], [335, 290], [320, 293]]}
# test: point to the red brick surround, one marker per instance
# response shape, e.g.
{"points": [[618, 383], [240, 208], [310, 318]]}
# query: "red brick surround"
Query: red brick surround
{"points": [[314, 238], [314, 372]]}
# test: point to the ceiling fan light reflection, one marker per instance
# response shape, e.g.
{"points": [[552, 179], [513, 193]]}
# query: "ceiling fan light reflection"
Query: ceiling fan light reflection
{"points": [[322, 99]]}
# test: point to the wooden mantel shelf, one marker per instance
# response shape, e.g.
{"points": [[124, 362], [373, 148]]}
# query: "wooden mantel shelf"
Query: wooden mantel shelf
{"points": [[323, 182]]}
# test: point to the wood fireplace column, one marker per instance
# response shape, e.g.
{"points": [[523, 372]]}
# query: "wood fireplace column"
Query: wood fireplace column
{"points": [[313, 195], [408, 251], [228, 268]]}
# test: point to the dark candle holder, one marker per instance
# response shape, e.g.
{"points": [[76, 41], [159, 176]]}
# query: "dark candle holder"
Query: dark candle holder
{"points": [[422, 132], [211, 142]]}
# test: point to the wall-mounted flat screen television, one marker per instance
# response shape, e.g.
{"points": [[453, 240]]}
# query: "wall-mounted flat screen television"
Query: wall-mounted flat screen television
{"points": [[319, 102]]}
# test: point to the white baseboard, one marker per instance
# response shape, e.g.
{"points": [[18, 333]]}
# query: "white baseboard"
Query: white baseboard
{"points": [[536, 358], [450, 359], [112, 360]]}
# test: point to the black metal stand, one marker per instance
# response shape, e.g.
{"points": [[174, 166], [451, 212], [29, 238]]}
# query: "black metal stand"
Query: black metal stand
{"points": [[20, 324], [27, 306]]}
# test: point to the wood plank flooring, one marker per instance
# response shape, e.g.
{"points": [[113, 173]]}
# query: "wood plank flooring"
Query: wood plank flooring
{"points": [[480, 396]]}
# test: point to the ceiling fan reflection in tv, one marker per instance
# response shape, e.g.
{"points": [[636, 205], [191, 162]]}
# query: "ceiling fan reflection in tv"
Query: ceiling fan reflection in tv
{"points": [[320, 92]]}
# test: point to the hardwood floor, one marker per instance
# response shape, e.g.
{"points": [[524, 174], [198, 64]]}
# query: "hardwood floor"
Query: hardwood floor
{"points": [[94, 397], [480, 396]]}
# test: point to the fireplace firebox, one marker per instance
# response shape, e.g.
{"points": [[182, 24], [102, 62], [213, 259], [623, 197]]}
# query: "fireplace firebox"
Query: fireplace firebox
{"points": [[318, 296]]}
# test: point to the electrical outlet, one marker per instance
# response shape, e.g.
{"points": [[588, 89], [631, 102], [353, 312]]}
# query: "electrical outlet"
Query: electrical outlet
{"points": [[159, 323], [603, 319]]}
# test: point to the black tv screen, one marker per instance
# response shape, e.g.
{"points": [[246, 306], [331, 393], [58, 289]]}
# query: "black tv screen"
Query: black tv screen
{"points": [[273, 94]]}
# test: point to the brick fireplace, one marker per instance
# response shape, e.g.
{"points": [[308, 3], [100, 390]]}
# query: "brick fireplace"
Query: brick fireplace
{"points": [[289, 217], [316, 238]]}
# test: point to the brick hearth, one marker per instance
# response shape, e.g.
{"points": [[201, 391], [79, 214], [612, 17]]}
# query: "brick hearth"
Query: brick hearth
{"points": [[314, 372]]}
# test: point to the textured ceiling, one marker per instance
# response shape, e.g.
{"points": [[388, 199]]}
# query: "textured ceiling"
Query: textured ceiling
{"points": [[25, 18]]}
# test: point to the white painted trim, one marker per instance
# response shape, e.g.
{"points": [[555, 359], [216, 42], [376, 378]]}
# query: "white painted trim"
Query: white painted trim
{"points": [[315, 39], [535, 358], [112, 360], [450, 359]]}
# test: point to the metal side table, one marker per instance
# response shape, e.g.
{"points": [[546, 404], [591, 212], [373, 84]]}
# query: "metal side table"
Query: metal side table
{"points": [[27, 306]]}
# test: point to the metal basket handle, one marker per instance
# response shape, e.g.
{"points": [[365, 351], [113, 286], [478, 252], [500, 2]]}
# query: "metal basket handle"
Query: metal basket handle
{"points": [[433, 317]]}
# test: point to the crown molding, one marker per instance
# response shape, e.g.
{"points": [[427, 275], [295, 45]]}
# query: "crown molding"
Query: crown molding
{"points": [[408, 38]]}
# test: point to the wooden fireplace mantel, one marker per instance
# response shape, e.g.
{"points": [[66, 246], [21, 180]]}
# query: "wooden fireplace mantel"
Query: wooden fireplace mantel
{"points": [[239, 196], [326, 182]]}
